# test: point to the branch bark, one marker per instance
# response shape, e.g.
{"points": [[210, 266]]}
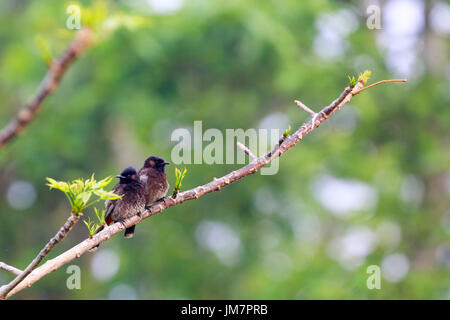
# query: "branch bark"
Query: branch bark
{"points": [[50, 82], [246, 151], [304, 107]]}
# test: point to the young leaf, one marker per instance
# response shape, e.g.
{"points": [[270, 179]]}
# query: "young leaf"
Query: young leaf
{"points": [[100, 217], [364, 77], [286, 132], [179, 176], [92, 227], [84, 196], [106, 195], [351, 81], [102, 183], [44, 49], [79, 191], [60, 185]]}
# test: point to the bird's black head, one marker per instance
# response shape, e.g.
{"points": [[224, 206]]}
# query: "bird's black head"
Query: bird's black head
{"points": [[156, 163], [128, 175]]}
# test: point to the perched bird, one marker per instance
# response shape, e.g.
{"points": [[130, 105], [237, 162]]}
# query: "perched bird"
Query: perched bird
{"points": [[132, 203], [153, 177]]}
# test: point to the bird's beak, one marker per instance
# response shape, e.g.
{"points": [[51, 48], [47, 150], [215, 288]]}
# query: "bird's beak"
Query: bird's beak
{"points": [[120, 176], [166, 163]]}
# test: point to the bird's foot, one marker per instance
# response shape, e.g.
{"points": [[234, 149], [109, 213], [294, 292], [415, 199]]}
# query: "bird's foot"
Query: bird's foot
{"points": [[140, 214], [122, 222]]}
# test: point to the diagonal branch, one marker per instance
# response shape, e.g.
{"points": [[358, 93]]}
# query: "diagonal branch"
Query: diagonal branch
{"points": [[60, 235], [304, 107], [50, 82], [195, 193], [246, 151], [9, 268]]}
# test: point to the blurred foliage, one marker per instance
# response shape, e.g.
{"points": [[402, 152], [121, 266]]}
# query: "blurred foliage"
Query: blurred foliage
{"points": [[230, 64]]}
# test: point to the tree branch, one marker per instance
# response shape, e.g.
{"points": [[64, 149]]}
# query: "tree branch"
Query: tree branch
{"points": [[246, 151], [9, 268], [304, 107], [50, 82], [377, 83], [71, 221], [195, 193]]}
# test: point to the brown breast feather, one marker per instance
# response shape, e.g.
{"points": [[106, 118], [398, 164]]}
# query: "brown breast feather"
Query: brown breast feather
{"points": [[155, 183]]}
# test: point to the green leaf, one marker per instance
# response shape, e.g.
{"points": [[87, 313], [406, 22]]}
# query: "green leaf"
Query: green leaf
{"points": [[80, 191], [90, 182], [91, 226], [364, 77], [106, 195], [94, 15], [100, 217], [102, 183], [76, 187], [44, 49], [352, 81], [84, 196], [286, 132]]}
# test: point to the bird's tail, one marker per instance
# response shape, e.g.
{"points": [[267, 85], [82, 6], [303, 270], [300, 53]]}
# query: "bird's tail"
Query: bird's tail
{"points": [[129, 232]]}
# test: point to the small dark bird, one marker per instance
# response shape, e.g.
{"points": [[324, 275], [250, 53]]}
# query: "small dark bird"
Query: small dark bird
{"points": [[153, 177], [132, 203]]}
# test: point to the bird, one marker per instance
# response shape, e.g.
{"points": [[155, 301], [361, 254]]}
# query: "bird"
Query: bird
{"points": [[153, 177], [132, 203]]}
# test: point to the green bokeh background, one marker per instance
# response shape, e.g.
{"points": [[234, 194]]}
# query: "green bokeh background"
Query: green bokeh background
{"points": [[231, 64]]}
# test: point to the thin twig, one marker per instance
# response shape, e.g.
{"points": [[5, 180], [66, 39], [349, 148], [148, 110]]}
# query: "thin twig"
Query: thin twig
{"points": [[61, 234], [9, 268], [377, 83], [215, 185], [50, 82], [246, 150], [302, 106]]}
